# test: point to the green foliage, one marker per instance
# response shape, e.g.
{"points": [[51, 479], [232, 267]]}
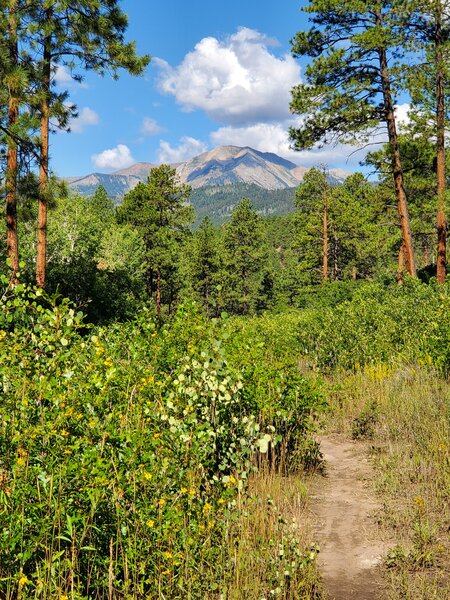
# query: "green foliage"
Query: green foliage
{"points": [[218, 202], [364, 424], [243, 243], [159, 213], [123, 450], [379, 325], [204, 266], [340, 97]]}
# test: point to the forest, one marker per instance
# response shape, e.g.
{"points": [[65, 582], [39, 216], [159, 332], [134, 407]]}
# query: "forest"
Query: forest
{"points": [[167, 378]]}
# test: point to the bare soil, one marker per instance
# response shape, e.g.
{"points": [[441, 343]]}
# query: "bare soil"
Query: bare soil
{"points": [[344, 515]]}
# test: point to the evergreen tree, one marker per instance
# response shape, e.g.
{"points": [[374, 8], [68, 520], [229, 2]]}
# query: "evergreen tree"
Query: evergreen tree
{"points": [[244, 257], [312, 199], [158, 210], [86, 34], [205, 266], [102, 205], [348, 88], [427, 24]]}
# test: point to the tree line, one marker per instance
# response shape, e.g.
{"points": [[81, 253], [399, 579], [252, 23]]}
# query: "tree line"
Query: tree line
{"points": [[113, 260]]}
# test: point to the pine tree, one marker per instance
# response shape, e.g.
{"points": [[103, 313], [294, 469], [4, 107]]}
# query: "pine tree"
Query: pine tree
{"points": [[86, 34], [312, 199], [427, 24], [158, 210], [244, 255], [205, 266], [348, 88]]}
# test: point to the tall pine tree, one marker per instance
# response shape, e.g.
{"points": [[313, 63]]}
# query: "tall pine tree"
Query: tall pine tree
{"points": [[348, 89]]}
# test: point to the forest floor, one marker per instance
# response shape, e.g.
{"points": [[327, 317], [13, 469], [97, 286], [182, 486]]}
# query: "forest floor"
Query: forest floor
{"points": [[344, 511]]}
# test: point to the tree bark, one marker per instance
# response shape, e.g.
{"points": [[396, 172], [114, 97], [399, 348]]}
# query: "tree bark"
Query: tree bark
{"points": [[12, 242], [325, 232], [396, 161], [41, 257], [440, 157]]}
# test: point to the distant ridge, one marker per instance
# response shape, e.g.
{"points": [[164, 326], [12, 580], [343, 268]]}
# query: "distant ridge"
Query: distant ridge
{"points": [[222, 166]]}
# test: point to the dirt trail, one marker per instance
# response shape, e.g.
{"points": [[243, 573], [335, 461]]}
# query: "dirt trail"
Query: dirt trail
{"points": [[343, 509]]}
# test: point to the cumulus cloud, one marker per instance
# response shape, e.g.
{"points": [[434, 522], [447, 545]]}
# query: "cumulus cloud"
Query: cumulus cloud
{"points": [[150, 127], [187, 148], [114, 158], [237, 81], [86, 117]]}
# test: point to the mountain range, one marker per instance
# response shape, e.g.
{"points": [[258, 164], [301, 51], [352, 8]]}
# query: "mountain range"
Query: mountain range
{"points": [[223, 166]]}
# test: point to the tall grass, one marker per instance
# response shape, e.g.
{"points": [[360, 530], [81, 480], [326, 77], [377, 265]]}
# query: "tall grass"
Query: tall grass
{"points": [[410, 446]]}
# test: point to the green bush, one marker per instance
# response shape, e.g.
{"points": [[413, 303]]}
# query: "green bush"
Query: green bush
{"points": [[123, 449], [380, 325]]}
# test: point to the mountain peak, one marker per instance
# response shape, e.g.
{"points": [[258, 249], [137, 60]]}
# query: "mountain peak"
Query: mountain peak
{"points": [[224, 165]]}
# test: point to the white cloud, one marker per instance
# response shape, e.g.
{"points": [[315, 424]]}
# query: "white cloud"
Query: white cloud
{"points": [[237, 81], [86, 117], [402, 115], [63, 77], [150, 127], [114, 158], [187, 148]]}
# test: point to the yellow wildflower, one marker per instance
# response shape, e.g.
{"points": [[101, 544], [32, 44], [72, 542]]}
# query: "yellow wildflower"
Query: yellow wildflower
{"points": [[166, 572], [108, 362], [419, 502], [161, 502], [151, 523], [148, 476], [64, 597], [207, 507], [192, 492], [221, 501], [168, 554], [232, 479], [23, 581], [156, 435], [183, 490]]}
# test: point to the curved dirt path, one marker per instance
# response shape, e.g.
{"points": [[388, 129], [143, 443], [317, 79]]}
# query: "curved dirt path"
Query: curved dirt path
{"points": [[343, 511]]}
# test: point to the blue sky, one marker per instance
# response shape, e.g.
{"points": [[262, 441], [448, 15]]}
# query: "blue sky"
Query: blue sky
{"points": [[221, 73]]}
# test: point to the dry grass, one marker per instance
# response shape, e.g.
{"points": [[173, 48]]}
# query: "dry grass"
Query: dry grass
{"points": [[405, 413], [274, 556]]}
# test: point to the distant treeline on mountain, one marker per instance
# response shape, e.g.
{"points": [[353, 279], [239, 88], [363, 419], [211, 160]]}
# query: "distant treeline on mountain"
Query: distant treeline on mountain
{"points": [[218, 202]]}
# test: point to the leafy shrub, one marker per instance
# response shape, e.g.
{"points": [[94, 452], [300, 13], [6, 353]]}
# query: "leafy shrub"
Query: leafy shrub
{"points": [[123, 450], [380, 325]]}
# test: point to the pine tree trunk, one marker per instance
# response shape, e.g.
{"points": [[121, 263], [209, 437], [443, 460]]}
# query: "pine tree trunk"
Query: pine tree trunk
{"points": [[41, 257], [11, 158], [396, 161], [440, 158], [325, 233]]}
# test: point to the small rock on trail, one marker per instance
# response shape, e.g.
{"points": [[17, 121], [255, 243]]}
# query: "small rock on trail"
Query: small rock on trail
{"points": [[343, 509]]}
